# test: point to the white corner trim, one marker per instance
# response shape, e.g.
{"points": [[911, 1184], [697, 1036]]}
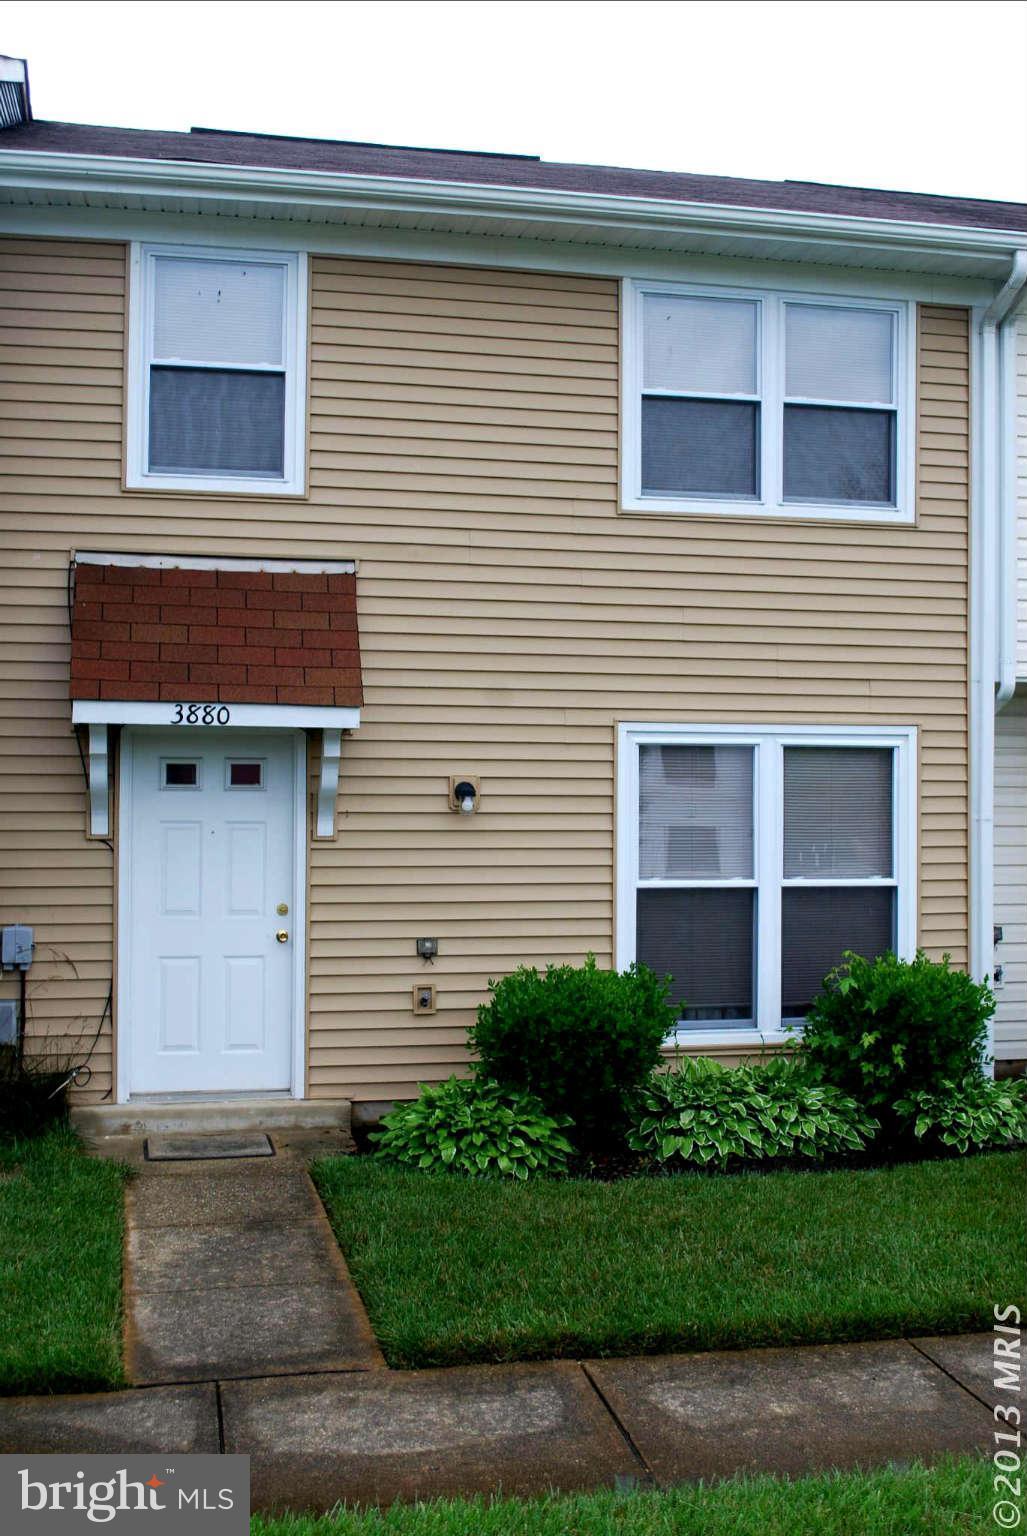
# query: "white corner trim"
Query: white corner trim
{"points": [[191, 713], [99, 782], [328, 785], [216, 563]]}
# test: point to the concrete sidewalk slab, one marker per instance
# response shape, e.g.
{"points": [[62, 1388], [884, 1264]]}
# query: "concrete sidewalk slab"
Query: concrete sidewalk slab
{"points": [[233, 1331], [379, 1437], [248, 1196], [789, 1411], [162, 1419], [185, 1258], [970, 1358]]}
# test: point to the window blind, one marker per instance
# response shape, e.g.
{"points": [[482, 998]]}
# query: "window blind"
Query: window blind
{"points": [[837, 812], [696, 812], [227, 312]]}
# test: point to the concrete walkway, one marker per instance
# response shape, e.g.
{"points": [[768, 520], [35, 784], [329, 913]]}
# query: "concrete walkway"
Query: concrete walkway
{"points": [[374, 1436], [245, 1334], [232, 1270]]}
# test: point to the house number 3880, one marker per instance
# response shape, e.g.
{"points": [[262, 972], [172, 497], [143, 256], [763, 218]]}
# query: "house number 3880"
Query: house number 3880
{"points": [[201, 714]]}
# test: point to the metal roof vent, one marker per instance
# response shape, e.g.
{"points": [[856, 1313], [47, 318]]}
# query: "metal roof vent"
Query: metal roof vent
{"points": [[15, 102]]}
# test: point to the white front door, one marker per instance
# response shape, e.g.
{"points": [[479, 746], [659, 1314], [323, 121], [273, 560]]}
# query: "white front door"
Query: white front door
{"points": [[207, 909]]}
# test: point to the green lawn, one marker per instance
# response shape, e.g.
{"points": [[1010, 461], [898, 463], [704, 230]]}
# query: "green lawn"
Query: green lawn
{"points": [[454, 1270], [952, 1499], [60, 1267]]}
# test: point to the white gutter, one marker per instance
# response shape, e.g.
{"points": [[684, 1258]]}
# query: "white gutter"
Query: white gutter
{"points": [[992, 525], [50, 172], [1003, 310]]}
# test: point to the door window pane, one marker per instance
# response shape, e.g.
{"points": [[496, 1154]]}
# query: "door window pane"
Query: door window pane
{"points": [[245, 775], [817, 926], [229, 422], [699, 346], [695, 806], [703, 940], [701, 447], [180, 775], [838, 812], [834, 353], [834, 454]]}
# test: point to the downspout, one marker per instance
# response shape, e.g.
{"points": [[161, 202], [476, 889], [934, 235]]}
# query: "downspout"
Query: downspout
{"points": [[993, 565], [1002, 313]]}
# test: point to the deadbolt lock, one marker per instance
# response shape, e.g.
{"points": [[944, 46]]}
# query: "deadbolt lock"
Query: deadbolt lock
{"points": [[282, 908], [282, 935]]}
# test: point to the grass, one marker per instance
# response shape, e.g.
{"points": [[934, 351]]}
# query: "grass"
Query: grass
{"points": [[60, 1267], [954, 1498], [456, 1270]]}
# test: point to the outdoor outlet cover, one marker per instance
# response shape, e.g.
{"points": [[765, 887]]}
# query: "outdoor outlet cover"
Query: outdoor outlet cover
{"points": [[424, 999]]}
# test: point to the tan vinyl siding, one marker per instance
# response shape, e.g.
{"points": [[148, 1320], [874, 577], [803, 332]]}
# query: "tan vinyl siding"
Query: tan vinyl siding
{"points": [[463, 448]]}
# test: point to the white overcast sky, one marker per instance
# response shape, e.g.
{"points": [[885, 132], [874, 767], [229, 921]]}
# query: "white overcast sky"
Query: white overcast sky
{"points": [[929, 95]]}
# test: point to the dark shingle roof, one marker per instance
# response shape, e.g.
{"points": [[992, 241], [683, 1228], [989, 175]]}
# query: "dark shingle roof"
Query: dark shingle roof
{"points": [[214, 147]]}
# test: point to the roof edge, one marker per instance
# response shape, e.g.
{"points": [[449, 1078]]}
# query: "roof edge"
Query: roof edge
{"points": [[48, 171]]}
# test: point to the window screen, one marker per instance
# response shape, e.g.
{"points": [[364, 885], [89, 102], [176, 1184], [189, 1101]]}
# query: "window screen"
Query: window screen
{"points": [[819, 925], [700, 447], [704, 941], [217, 376]]}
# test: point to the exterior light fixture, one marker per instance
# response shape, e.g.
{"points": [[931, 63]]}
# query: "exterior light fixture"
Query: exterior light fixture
{"points": [[464, 795], [428, 949]]}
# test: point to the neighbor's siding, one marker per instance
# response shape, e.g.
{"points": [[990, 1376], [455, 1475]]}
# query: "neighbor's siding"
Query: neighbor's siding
{"points": [[1011, 877], [464, 449]]}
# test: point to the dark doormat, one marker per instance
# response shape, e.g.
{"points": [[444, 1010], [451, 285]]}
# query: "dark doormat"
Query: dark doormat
{"points": [[188, 1149]]}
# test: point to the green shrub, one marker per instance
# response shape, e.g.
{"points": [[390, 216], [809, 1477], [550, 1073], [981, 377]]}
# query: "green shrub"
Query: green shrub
{"points": [[475, 1128], [976, 1114], [703, 1114], [583, 1039], [880, 1029]]}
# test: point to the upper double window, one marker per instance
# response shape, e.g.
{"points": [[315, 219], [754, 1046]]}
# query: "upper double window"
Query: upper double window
{"points": [[216, 384], [766, 402]]}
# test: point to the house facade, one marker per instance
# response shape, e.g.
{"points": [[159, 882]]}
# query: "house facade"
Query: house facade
{"points": [[418, 563]]}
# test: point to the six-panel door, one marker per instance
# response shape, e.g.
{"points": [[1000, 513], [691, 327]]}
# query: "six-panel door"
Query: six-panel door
{"points": [[208, 887]]}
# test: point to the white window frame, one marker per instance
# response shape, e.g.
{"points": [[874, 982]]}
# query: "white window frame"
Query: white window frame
{"points": [[768, 743], [140, 333], [770, 392]]}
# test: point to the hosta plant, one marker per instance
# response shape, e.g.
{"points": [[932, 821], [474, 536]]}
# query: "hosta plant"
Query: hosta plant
{"points": [[701, 1114], [975, 1115], [473, 1127]]}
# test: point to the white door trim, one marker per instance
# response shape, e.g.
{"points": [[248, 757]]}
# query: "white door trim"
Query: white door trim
{"points": [[123, 919]]}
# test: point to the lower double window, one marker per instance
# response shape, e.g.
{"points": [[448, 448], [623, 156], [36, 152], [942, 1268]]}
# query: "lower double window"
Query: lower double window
{"points": [[751, 859]]}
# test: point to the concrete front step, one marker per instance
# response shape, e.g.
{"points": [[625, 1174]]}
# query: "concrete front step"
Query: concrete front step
{"points": [[95, 1122]]}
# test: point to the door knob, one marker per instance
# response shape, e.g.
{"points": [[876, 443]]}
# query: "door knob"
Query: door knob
{"points": [[282, 935]]}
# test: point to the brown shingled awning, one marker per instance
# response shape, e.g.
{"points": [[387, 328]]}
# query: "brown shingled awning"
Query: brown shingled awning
{"points": [[224, 634]]}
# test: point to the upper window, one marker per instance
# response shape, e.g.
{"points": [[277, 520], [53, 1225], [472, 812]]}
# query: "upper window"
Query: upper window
{"points": [[750, 860], [765, 402], [216, 375]]}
